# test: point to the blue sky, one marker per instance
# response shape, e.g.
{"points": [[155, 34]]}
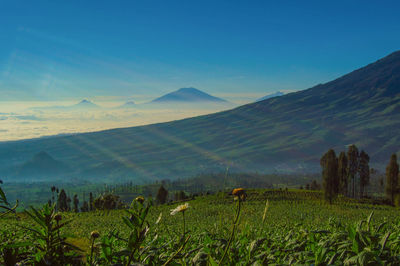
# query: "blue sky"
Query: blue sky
{"points": [[53, 51]]}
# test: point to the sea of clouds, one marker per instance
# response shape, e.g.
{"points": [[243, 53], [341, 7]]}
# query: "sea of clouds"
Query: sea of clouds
{"points": [[24, 120]]}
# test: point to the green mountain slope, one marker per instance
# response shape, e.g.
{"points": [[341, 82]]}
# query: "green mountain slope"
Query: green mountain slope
{"points": [[287, 133]]}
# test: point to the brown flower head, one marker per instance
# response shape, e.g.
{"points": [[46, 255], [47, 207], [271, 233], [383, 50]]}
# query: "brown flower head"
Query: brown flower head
{"points": [[140, 199], [95, 234], [58, 217], [239, 193]]}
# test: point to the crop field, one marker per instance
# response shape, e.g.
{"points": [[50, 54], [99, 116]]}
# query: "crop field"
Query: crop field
{"points": [[271, 227]]}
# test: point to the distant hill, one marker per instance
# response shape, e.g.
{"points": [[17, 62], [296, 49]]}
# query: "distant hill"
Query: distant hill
{"points": [[128, 104], [187, 95], [40, 166], [271, 95], [84, 104], [286, 134]]}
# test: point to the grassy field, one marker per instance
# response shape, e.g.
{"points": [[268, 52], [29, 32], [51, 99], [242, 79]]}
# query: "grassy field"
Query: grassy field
{"points": [[298, 227]]}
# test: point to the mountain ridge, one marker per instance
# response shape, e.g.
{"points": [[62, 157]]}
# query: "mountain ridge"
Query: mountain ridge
{"points": [[271, 95], [287, 133]]}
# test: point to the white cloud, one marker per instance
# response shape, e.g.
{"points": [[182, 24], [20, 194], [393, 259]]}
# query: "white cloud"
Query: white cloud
{"points": [[31, 123]]}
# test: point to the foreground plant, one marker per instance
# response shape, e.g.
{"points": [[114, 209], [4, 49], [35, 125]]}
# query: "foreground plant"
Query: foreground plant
{"points": [[139, 227], [4, 204], [183, 241], [9, 248], [50, 245], [240, 196], [181, 209], [93, 236]]}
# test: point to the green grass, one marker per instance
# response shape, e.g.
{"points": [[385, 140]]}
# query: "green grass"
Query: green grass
{"points": [[299, 227]]}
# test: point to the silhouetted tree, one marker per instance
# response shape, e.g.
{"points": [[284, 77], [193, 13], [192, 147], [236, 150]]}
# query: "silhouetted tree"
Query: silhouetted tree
{"points": [[69, 203], [62, 201], [381, 182], [330, 181], [76, 203], [352, 157], [162, 195], [342, 174], [85, 207], [108, 202], [307, 186], [364, 172], [314, 185], [392, 178], [180, 195], [90, 201], [53, 189]]}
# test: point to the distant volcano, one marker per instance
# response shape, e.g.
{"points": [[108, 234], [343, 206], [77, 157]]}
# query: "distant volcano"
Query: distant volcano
{"points": [[86, 104], [188, 95]]}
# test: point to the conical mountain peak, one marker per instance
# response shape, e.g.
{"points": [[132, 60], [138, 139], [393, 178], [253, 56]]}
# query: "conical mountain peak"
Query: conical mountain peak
{"points": [[187, 95]]}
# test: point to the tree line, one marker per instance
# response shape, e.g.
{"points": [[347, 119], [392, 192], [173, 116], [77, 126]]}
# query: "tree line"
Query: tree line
{"points": [[105, 201], [349, 174], [63, 202]]}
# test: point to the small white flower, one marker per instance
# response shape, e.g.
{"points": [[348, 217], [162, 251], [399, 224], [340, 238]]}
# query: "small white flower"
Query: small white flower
{"points": [[180, 208]]}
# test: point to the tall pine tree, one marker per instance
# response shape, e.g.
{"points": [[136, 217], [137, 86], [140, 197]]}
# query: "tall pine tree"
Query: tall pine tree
{"points": [[352, 169], [76, 203], [91, 208], [392, 178], [363, 170], [330, 180], [162, 195], [342, 174], [62, 201]]}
